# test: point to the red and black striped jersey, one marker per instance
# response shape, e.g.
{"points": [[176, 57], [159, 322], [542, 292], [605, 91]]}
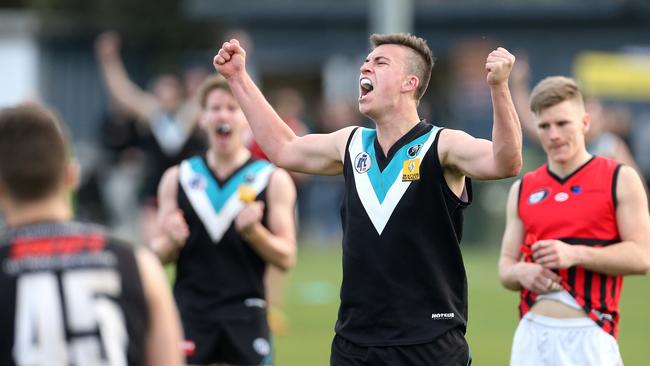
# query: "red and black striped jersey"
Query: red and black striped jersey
{"points": [[579, 209]]}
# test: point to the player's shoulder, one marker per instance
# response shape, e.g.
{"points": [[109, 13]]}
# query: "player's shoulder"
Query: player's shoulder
{"points": [[171, 173], [345, 134], [628, 176], [281, 178], [449, 138], [606, 162]]}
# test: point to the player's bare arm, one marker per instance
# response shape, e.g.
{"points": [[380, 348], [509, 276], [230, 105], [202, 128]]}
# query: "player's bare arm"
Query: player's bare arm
{"points": [[171, 225], [277, 244], [513, 272], [124, 91], [313, 154], [630, 256], [164, 335], [465, 155]]}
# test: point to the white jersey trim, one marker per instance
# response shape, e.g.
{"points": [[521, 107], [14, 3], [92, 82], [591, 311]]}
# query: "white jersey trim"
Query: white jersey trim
{"points": [[380, 213], [217, 223]]}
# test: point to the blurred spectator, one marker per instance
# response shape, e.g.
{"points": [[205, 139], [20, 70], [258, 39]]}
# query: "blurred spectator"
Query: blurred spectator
{"points": [[337, 115], [324, 194], [125, 159], [290, 106], [193, 78], [167, 112], [603, 137], [618, 120], [471, 100], [641, 143]]}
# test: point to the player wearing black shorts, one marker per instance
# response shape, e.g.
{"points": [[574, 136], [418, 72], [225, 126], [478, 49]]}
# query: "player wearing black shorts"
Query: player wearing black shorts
{"points": [[404, 292], [223, 217]]}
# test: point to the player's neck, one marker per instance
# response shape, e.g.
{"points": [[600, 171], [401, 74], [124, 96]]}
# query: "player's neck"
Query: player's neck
{"points": [[51, 209], [223, 164], [392, 126], [564, 169]]}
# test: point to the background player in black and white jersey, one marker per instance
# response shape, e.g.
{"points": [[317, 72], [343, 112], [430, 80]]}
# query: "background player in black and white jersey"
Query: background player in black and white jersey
{"points": [[222, 240], [392, 80], [70, 294]]}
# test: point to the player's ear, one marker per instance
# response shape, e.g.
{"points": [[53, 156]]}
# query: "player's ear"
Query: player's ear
{"points": [[203, 118], [586, 122], [410, 83], [71, 175]]}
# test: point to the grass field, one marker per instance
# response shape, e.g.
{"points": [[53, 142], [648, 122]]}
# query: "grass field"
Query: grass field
{"points": [[312, 302]]}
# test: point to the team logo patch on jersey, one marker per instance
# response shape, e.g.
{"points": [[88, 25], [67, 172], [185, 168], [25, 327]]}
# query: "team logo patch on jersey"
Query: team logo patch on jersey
{"points": [[247, 193], [411, 170], [198, 182], [538, 196], [413, 150], [261, 346], [362, 162], [561, 197]]}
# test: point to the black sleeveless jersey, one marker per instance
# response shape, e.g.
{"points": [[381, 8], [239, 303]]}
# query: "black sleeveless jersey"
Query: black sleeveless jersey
{"points": [[70, 296], [218, 275], [404, 280]]}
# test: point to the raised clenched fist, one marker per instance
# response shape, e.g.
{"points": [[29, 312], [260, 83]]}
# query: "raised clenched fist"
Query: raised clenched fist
{"points": [[498, 66]]}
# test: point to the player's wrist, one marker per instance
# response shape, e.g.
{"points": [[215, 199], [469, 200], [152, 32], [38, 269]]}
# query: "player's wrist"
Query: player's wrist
{"points": [[172, 241], [237, 78], [578, 255], [163, 248], [499, 86], [247, 230], [516, 273], [252, 233]]}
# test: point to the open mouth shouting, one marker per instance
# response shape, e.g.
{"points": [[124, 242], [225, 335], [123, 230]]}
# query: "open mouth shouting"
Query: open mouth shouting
{"points": [[223, 130], [366, 87]]}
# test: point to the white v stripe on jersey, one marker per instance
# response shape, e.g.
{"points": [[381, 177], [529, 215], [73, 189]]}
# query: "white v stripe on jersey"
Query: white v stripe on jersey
{"points": [[217, 222], [380, 212]]}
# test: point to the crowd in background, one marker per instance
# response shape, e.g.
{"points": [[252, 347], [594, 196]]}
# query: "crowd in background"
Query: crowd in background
{"points": [[137, 144], [121, 171]]}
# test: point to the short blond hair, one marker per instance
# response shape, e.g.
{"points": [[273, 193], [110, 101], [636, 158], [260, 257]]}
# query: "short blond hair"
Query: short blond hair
{"points": [[210, 84], [554, 90], [420, 65]]}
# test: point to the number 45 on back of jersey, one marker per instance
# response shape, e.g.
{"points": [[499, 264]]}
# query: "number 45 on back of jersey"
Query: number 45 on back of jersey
{"points": [[95, 323]]}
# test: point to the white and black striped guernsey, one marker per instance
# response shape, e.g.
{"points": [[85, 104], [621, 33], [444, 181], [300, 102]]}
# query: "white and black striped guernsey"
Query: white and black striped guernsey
{"points": [[217, 271], [404, 280]]}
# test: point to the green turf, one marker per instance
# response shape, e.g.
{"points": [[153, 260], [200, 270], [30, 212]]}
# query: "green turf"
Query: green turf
{"points": [[312, 301]]}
